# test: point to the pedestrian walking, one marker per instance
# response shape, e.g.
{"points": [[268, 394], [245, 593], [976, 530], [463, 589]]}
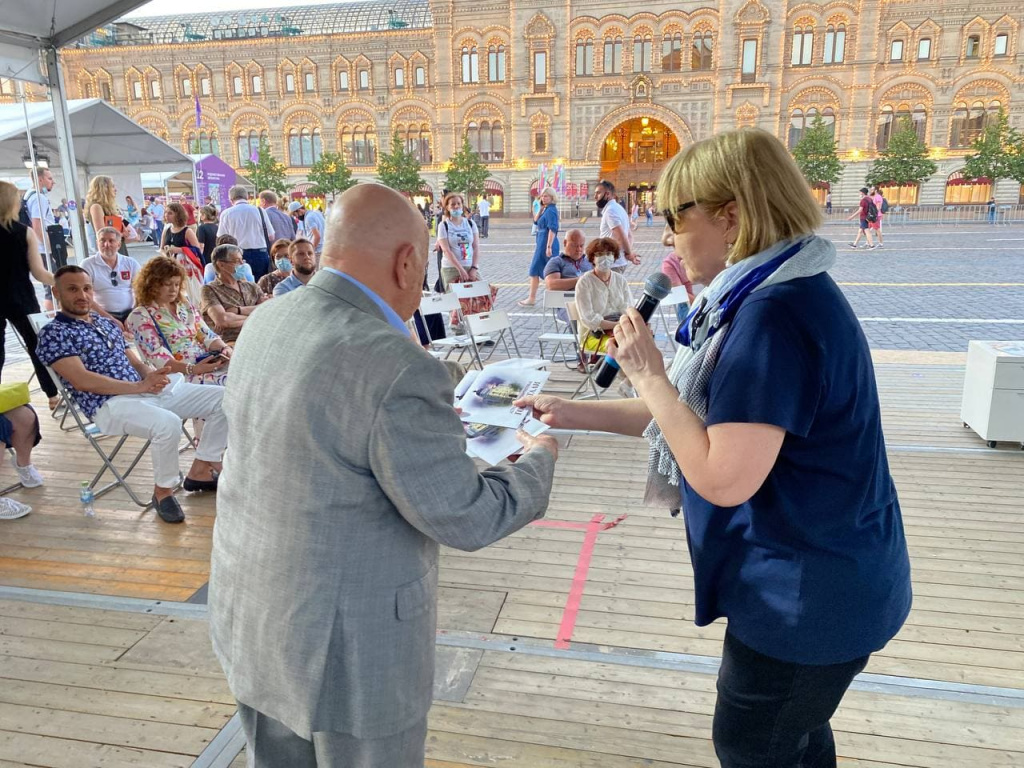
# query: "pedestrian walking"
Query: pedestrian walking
{"points": [[867, 212], [650, 215], [881, 208], [483, 208], [991, 210], [546, 243], [828, 202]]}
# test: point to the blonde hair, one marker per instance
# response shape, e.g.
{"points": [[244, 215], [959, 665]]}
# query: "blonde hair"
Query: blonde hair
{"points": [[101, 192], [447, 199], [550, 191], [10, 204], [752, 168]]}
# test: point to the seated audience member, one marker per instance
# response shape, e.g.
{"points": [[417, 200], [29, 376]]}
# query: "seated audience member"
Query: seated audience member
{"points": [[230, 299], [111, 274], [145, 225], [210, 274], [124, 396], [602, 296], [206, 232], [282, 267], [19, 429], [303, 259], [562, 271], [168, 330]]}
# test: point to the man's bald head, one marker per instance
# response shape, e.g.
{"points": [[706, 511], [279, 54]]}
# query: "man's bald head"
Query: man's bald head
{"points": [[378, 237]]}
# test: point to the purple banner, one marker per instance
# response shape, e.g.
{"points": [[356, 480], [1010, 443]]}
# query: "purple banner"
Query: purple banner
{"points": [[214, 177]]}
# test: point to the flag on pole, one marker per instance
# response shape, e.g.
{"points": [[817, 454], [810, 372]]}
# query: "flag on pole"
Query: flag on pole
{"points": [[254, 156], [199, 112]]}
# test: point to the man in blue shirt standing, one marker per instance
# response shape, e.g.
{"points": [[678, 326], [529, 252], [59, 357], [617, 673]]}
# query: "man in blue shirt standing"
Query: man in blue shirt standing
{"points": [[311, 225], [123, 396], [303, 260]]}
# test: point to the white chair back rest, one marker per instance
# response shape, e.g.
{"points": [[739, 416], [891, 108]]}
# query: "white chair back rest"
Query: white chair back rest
{"points": [[438, 302], [39, 320], [558, 299], [471, 290], [488, 322], [676, 296]]}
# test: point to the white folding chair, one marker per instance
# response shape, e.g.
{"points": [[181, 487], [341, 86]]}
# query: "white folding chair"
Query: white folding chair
{"points": [[436, 303], [675, 297], [93, 434], [563, 334], [14, 486], [588, 368], [483, 325]]}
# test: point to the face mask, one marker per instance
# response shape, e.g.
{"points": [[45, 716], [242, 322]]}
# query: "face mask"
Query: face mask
{"points": [[283, 265], [239, 273], [456, 212], [602, 203], [603, 263]]}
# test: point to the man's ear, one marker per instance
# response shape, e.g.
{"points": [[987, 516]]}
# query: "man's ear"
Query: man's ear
{"points": [[407, 267]]}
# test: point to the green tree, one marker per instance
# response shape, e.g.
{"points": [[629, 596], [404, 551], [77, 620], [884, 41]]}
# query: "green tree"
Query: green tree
{"points": [[466, 173], [904, 160], [815, 154], [399, 169], [998, 152], [266, 172], [330, 175]]}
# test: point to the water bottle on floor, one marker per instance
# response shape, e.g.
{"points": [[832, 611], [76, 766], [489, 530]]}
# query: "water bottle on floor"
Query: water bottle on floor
{"points": [[87, 497]]}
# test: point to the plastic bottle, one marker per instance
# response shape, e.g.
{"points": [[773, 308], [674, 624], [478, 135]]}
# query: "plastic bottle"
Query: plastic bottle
{"points": [[87, 498]]}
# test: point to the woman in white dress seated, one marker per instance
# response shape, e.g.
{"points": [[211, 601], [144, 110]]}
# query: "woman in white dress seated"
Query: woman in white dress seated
{"points": [[601, 296]]}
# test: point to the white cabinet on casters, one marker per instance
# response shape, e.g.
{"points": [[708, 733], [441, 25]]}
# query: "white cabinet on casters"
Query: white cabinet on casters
{"points": [[993, 404]]}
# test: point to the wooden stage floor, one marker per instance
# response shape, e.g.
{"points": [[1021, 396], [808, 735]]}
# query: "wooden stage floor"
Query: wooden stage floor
{"points": [[121, 674]]}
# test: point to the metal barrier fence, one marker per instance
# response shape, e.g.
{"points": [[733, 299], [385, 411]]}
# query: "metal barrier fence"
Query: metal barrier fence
{"points": [[951, 215]]}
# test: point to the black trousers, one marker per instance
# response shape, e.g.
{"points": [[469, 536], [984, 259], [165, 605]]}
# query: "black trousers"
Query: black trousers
{"points": [[774, 714], [484, 225], [24, 328]]}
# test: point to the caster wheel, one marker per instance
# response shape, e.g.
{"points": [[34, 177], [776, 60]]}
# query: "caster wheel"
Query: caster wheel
{"points": [[991, 443]]}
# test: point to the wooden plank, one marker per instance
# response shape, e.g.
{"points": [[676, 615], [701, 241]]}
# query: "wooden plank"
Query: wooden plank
{"points": [[57, 752]]}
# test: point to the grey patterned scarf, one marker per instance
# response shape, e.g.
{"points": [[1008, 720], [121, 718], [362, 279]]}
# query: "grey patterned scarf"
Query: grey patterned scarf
{"points": [[694, 365]]}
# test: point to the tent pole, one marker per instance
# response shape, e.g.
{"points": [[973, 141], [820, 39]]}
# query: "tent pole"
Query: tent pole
{"points": [[66, 146], [34, 174]]}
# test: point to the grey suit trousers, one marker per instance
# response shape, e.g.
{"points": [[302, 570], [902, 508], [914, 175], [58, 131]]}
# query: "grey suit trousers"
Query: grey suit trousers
{"points": [[271, 744]]}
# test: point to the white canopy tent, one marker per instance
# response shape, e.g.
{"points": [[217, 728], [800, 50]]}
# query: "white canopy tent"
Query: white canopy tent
{"points": [[31, 36]]}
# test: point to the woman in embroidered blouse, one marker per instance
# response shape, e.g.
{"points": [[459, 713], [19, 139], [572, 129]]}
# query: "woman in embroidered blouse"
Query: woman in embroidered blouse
{"points": [[601, 295], [168, 329]]}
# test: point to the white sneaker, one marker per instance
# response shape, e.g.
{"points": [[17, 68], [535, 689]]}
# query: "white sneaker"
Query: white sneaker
{"points": [[12, 510], [29, 476]]}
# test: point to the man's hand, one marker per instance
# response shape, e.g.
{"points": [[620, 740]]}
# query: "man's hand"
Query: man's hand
{"points": [[154, 382], [537, 443], [633, 257]]}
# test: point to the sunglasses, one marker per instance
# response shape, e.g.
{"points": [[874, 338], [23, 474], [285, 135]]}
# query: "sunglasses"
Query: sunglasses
{"points": [[672, 217], [113, 277]]}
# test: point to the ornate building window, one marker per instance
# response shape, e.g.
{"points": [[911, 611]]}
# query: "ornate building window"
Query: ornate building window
{"points": [[748, 61], [540, 71], [106, 92], [399, 77], [364, 79], [420, 77], [584, 56], [304, 147], [613, 55], [203, 143], [487, 139], [803, 45], [1002, 45], [496, 63], [415, 137], [136, 89], [343, 84], [642, 53], [891, 120], [248, 144], [835, 44], [7, 88], [257, 84], [470, 64], [309, 82], [700, 54], [961, 191], [154, 88], [236, 85], [896, 50], [968, 124], [289, 83], [672, 52], [186, 86], [205, 86], [924, 49], [540, 128], [359, 144], [801, 120], [973, 48]]}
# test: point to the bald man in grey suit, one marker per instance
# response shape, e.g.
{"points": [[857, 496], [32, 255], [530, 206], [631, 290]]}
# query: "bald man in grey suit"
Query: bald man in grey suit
{"points": [[333, 503]]}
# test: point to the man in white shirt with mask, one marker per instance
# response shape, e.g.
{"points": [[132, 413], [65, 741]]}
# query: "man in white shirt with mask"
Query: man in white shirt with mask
{"points": [[615, 224]]}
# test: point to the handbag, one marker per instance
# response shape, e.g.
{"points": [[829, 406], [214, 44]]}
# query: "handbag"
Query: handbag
{"points": [[13, 396], [596, 342]]}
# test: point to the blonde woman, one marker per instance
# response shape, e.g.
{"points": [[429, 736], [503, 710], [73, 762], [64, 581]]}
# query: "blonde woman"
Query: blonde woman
{"points": [[101, 202], [19, 258], [767, 432], [546, 245]]}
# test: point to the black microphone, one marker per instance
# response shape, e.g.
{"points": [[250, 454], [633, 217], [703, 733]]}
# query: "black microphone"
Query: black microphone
{"points": [[657, 287]]}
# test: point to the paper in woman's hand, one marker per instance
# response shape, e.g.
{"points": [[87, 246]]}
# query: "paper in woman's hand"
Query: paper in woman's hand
{"points": [[490, 397], [493, 444]]}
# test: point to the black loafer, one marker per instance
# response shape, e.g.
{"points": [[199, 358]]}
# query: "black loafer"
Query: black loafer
{"points": [[199, 485], [169, 510]]}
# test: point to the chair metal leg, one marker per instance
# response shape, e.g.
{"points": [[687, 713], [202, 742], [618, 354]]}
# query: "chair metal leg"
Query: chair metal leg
{"points": [[121, 479]]}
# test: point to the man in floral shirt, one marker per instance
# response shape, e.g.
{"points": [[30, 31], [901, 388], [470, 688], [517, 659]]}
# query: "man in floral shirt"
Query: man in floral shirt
{"points": [[124, 396]]}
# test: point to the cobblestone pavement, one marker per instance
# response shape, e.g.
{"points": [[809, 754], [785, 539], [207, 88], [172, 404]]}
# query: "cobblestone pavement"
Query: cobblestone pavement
{"points": [[928, 288]]}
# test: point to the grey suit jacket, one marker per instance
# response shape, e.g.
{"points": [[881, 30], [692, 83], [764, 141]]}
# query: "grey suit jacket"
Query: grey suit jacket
{"points": [[345, 469]]}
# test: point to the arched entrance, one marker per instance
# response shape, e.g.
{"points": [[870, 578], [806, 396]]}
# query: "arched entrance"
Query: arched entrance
{"points": [[633, 155]]}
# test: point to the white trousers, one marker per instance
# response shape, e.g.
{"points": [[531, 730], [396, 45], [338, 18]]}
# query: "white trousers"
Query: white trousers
{"points": [[158, 418]]}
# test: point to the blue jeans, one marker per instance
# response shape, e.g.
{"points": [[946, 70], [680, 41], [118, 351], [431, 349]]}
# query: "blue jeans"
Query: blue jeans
{"points": [[774, 714], [259, 260]]}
